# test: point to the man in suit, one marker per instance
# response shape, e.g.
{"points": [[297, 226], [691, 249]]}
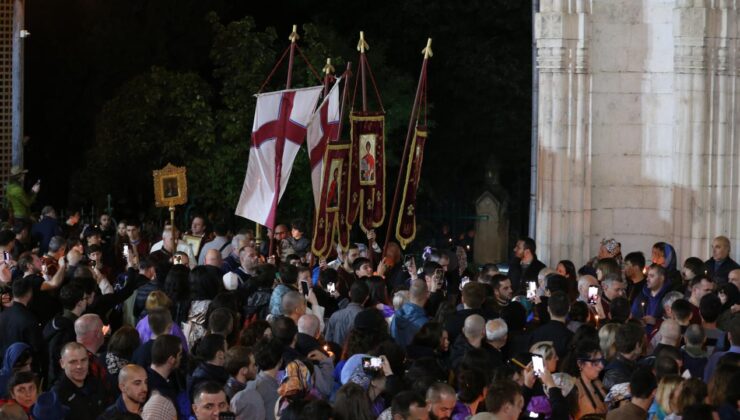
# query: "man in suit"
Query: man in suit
{"points": [[525, 266], [720, 265]]}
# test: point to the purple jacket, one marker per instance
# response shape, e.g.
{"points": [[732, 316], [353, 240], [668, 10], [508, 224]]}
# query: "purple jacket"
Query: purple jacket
{"points": [[145, 334]]}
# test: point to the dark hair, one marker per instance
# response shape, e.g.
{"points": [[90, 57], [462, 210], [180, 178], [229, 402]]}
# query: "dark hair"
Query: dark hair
{"points": [[327, 276], [636, 259], [206, 348], [264, 275], [236, 358], [497, 279], [584, 350], [203, 284], [288, 274], [93, 248], [554, 282], [25, 260], [619, 309], [578, 311], [221, 321], [363, 340], [19, 378], [659, 268], [732, 294], [299, 225], [164, 347], [558, 304], [570, 269], [352, 403], [359, 291], [732, 395], [124, 341], [378, 290], [681, 309], [70, 295], [22, 287], [642, 383], [710, 307], [87, 284], [628, 336], [664, 366], [220, 229], [177, 283], [477, 360], [608, 266], [207, 387], [316, 409], [254, 332], [429, 335], [403, 401], [733, 328], [529, 244], [474, 294], [284, 329], [268, 353], [470, 384], [359, 262], [500, 393], [133, 222], [430, 267], [696, 266]]}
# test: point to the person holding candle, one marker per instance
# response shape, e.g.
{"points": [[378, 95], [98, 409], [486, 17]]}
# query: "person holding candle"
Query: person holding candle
{"points": [[647, 306]]}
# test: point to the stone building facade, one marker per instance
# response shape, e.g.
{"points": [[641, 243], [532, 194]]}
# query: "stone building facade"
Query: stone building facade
{"points": [[638, 125]]}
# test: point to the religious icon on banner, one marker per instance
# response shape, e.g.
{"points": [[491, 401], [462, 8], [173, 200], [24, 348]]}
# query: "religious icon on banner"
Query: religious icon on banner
{"points": [[333, 196], [170, 186], [367, 160]]}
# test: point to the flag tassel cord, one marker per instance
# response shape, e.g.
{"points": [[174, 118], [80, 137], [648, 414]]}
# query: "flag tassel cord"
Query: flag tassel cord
{"points": [[420, 90]]}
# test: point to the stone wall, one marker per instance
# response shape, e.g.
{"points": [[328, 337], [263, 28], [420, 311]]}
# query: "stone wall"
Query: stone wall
{"points": [[637, 125]]}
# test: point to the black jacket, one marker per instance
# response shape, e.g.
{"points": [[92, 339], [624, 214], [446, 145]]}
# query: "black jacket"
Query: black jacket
{"points": [[58, 332], [18, 323], [85, 403], [556, 332], [456, 321], [724, 269], [519, 278], [462, 346], [206, 372]]}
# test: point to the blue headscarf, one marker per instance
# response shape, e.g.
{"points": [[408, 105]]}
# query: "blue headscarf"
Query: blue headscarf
{"points": [[12, 353]]}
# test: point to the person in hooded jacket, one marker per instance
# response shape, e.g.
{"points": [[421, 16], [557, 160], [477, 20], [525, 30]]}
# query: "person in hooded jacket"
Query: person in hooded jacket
{"points": [[411, 317], [210, 355], [18, 358]]}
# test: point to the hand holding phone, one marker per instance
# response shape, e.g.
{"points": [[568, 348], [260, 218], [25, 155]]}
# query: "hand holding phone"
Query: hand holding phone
{"points": [[531, 290], [304, 287], [593, 295], [538, 364]]}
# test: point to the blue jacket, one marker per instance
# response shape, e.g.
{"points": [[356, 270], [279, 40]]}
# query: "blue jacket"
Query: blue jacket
{"points": [[653, 305], [43, 231], [276, 299], [407, 322]]}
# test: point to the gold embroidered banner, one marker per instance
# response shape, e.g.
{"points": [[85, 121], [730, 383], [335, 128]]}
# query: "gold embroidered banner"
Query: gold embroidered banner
{"points": [[330, 224], [406, 225], [366, 198]]}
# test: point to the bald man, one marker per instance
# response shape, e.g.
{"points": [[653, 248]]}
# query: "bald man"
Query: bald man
{"points": [[132, 382], [670, 335], [89, 332], [309, 334], [720, 265], [76, 388], [473, 337], [213, 257]]}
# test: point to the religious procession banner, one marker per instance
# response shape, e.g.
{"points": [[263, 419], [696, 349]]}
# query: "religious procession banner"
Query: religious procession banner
{"points": [[330, 224], [406, 225], [322, 130], [366, 198]]}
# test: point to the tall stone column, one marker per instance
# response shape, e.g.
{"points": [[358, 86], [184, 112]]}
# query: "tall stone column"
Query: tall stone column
{"points": [[564, 174], [706, 148]]}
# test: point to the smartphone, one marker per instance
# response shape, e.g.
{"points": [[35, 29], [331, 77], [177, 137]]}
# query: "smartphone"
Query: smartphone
{"points": [[531, 289], [331, 288], [125, 251], [533, 415], [538, 363], [226, 415], [93, 263], [372, 363], [304, 288], [463, 281], [593, 294], [6, 256], [177, 259]]}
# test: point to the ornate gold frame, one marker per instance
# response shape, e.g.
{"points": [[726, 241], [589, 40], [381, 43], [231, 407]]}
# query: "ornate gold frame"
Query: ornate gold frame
{"points": [[168, 173]]}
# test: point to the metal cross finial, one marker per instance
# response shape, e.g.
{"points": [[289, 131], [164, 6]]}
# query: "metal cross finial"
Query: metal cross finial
{"points": [[294, 35], [362, 45], [427, 51], [328, 68]]}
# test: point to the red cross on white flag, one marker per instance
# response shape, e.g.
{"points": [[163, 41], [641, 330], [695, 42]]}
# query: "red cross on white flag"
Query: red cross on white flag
{"points": [[322, 129], [279, 129]]}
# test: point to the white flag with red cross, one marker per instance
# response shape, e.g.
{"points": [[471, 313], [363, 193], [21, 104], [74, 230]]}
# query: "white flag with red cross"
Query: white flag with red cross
{"points": [[279, 129], [322, 130]]}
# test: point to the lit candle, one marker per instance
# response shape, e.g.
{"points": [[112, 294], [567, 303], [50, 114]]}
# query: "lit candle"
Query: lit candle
{"points": [[597, 320], [644, 270]]}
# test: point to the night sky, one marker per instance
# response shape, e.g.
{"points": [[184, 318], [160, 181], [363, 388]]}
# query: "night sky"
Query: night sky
{"points": [[80, 53]]}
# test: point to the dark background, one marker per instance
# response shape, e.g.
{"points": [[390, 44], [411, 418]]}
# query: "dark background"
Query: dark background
{"points": [[81, 52]]}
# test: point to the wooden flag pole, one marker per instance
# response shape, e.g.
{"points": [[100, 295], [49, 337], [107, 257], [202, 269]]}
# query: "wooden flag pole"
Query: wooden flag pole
{"points": [[362, 46], [427, 51]]}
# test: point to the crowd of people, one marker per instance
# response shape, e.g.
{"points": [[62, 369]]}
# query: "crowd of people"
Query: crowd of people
{"points": [[100, 322]]}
